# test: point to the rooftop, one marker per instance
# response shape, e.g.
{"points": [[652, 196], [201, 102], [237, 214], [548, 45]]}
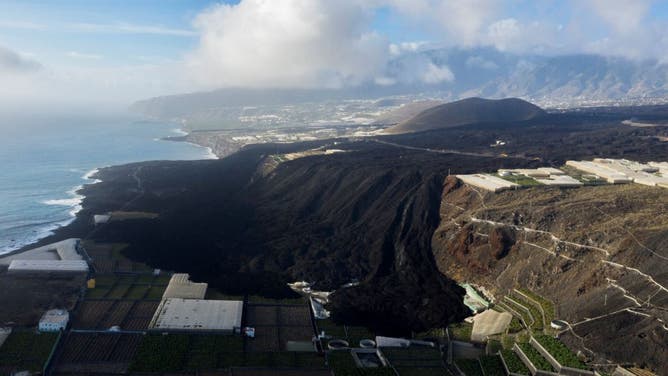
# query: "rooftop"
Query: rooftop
{"points": [[196, 314], [49, 265]]}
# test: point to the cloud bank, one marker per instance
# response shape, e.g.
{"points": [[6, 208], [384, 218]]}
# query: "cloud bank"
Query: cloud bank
{"points": [[13, 63]]}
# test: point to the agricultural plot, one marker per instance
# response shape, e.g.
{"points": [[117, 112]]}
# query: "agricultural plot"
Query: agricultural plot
{"points": [[128, 286], [460, 331], [342, 364], [514, 363], [413, 357], [492, 365], [97, 352], [547, 305], [195, 352], [26, 350], [103, 314], [275, 325], [560, 352], [535, 357], [352, 334], [470, 367], [108, 258]]}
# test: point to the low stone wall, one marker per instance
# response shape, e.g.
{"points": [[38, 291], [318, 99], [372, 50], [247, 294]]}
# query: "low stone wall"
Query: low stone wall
{"points": [[532, 368], [563, 370], [505, 367]]}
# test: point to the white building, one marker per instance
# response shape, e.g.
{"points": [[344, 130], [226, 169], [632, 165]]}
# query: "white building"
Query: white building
{"points": [[487, 182], [65, 266], [198, 315], [610, 175], [54, 320]]}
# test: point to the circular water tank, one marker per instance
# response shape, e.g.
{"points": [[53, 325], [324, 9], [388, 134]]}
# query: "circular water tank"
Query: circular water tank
{"points": [[367, 343], [337, 344]]}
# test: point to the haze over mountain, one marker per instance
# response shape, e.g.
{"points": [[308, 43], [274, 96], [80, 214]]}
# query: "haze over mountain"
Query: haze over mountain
{"points": [[469, 111], [485, 72]]}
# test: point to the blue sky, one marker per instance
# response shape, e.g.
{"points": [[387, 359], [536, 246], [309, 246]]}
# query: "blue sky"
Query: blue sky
{"points": [[130, 49]]}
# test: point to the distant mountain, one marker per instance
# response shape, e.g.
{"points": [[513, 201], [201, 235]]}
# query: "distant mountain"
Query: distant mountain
{"points": [[483, 72], [469, 111]]}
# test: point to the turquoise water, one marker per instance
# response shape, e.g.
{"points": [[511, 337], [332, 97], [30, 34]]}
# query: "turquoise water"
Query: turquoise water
{"points": [[44, 162]]}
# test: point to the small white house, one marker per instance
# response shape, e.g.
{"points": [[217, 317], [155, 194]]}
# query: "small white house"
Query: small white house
{"points": [[54, 320]]}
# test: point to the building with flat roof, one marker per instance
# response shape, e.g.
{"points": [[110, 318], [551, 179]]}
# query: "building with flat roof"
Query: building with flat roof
{"points": [[175, 314], [487, 182], [489, 323], [54, 320], [644, 174], [70, 266], [180, 286], [610, 175]]}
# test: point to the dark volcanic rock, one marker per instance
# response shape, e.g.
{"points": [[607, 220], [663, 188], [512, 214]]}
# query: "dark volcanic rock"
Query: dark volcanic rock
{"points": [[470, 111]]}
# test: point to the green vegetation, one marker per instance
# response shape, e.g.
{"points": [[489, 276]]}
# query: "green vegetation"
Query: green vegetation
{"points": [[560, 352], [492, 365], [507, 342], [332, 329], [27, 350], [460, 331], [514, 363], [470, 367], [343, 364], [118, 291], [515, 325], [535, 357], [413, 357], [136, 292], [159, 353], [193, 352], [517, 307], [352, 334], [533, 309], [522, 180], [547, 305], [97, 292], [282, 359], [155, 292], [494, 346]]}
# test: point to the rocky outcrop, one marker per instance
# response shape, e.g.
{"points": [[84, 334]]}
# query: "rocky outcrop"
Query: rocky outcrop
{"points": [[599, 253]]}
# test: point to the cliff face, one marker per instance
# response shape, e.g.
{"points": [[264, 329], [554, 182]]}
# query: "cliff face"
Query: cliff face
{"points": [[599, 253]]}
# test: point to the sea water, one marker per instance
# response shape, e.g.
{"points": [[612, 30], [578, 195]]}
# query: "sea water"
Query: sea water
{"points": [[44, 162]]}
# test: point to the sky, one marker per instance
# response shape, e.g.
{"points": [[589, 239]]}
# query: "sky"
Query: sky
{"points": [[115, 52]]}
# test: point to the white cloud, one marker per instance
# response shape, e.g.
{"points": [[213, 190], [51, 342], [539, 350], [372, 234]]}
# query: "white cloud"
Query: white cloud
{"points": [[21, 25], [124, 28], [480, 62], [624, 16], [298, 43], [12, 63], [435, 74], [463, 21], [82, 55]]}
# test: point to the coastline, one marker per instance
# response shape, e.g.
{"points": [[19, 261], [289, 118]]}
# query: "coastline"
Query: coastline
{"points": [[75, 203]]}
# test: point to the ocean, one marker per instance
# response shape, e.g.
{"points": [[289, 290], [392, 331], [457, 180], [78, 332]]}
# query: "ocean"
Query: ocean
{"points": [[44, 162]]}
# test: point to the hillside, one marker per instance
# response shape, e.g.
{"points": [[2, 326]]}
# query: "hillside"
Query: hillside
{"points": [[373, 212], [469, 111], [597, 252]]}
